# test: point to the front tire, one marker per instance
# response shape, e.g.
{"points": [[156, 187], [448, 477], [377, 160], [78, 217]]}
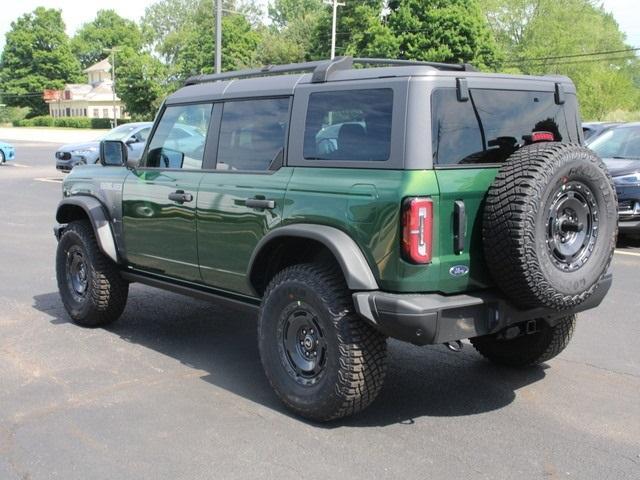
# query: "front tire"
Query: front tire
{"points": [[91, 288], [321, 358], [530, 349], [2, 158]]}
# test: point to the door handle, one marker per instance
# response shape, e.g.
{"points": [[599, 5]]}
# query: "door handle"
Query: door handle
{"points": [[459, 227], [260, 203], [179, 196]]}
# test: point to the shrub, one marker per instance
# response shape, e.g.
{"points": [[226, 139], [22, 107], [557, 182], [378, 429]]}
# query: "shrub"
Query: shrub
{"points": [[65, 122], [13, 114]]}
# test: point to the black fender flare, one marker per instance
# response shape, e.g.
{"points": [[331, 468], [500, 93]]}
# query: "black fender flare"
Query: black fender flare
{"points": [[355, 268], [98, 217]]}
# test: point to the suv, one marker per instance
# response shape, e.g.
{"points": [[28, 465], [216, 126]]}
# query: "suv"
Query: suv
{"points": [[425, 202]]}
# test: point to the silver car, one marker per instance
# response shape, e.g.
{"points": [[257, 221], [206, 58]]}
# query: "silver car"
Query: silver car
{"points": [[133, 134]]}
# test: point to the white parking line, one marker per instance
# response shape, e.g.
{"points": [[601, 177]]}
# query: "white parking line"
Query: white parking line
{"points": [[19, 165], [48, 180], [621, 252]]}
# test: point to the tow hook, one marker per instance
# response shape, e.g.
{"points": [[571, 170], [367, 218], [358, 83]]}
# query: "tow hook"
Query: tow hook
{"points": [[455, 346]]}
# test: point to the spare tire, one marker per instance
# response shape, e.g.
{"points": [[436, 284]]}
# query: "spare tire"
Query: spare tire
{"points": [[550, 225]]}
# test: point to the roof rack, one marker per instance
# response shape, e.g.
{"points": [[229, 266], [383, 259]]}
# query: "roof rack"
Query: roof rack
{"points": [[321, 69], [458, 67]]}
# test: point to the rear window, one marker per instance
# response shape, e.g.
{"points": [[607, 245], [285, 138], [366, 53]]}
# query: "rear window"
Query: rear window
{"points": [[349, 125], [492, 124]]}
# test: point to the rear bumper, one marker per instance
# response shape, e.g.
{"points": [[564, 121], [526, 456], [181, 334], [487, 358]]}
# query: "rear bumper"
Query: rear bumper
{"points": [[424, 319]]}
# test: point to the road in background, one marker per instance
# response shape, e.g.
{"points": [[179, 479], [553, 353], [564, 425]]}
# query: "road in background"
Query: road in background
{"points": [[175, 389]]}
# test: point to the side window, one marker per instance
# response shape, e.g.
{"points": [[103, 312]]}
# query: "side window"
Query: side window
{"points": [[180, 137], [143, 134], [252, 134], [349, 125]]}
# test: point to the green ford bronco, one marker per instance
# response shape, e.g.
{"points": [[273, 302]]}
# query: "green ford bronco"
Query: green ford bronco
{"points": [[349, 201]]}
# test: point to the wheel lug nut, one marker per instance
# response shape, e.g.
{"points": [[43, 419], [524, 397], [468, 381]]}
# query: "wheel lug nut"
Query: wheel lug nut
{"points": [[315, 354], [311, 331], [304, 332], [306, 353]]}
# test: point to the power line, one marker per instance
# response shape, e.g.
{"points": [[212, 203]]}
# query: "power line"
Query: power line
{"points": [[576, 55], [570, 62]]}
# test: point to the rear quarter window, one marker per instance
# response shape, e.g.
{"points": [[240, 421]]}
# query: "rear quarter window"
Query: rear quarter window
{"points": [[349, 125], [492, 124]]}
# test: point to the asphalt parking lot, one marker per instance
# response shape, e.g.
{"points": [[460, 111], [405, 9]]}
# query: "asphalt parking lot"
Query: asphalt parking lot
{"points": [[175, 390]]}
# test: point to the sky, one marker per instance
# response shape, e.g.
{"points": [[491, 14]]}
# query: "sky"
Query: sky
{"points": [[77, 12]]}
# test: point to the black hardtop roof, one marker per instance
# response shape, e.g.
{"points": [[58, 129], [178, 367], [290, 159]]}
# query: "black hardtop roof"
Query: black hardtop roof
{"points": [[276, 80]]}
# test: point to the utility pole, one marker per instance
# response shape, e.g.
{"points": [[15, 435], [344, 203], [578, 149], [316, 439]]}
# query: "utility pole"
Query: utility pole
{"points": [[218, 14], [113, 52], [335, 4]]}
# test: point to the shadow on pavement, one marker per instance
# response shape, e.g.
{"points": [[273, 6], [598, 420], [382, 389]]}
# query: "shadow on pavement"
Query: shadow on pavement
{"points": [[427, 381], [628, 241]]}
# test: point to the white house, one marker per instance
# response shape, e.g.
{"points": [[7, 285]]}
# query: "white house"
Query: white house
{"points": [[94, 99]]}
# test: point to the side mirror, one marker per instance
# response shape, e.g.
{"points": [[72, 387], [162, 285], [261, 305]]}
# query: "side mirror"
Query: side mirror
{"points": [[131, 141], [113, 153]]}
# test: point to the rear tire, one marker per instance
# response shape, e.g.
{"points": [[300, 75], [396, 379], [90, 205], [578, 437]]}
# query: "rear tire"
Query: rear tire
{"points": [[2, 158], [91, 288], [530, 349], [321, 358]]}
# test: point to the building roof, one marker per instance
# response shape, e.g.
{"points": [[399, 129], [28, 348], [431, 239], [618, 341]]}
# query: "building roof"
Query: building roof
{"points": [[101, 66]]}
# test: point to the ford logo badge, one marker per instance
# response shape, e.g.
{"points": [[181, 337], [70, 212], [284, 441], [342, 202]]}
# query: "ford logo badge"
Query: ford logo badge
{"points": [[459, 270]]}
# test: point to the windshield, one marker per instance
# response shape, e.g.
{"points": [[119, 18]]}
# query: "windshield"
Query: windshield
{"points": [[622, 142], [119, 133]]}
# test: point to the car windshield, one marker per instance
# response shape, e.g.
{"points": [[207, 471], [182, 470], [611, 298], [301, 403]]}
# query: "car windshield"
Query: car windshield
{"points": [[621, 142], [119, 133]]}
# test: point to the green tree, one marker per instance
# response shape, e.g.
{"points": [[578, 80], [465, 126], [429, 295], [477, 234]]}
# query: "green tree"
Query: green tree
{"points": [[290, 36], [359, 30], [546, 36], [196, 52], [453, 31], [107, 30], [283, 12], [166, 23], [36, 56], [141, 83]]}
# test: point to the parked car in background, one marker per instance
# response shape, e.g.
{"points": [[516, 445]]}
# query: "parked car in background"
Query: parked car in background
{"points": [[592, 130], [620, 148], [7, 152], [133, 134]]}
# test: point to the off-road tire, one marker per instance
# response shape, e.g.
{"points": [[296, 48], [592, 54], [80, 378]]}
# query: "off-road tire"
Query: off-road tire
{"points": [[530, 349], [355, 361], [106, 291], [516, 225]]}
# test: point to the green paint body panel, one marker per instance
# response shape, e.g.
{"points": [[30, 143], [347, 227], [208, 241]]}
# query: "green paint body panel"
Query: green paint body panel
{"points": [[159, 234], [229, 231], [469, 185], [211, 239], [366, 204]]}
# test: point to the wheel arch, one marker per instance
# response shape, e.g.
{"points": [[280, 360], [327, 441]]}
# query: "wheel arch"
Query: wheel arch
{"points": [[295, 243], [84, 207]]}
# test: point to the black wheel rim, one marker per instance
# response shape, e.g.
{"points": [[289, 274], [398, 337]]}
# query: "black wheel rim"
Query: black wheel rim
{"points": [[572, 227], [77, 272], [302, 345]]}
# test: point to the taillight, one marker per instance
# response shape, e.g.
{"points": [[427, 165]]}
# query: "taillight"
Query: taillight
{"points": [[417, 229]]}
